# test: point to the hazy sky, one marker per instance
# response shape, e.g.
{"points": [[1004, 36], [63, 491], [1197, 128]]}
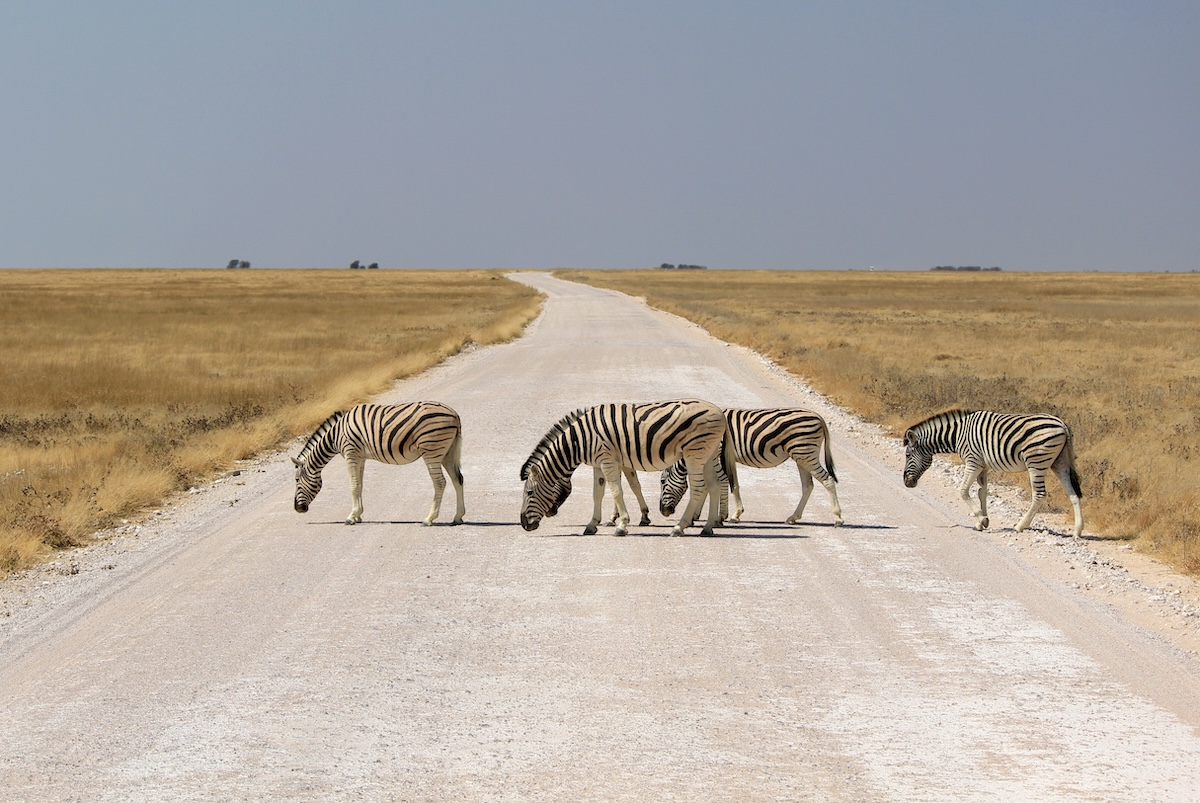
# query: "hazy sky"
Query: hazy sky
{"points": [[1049, 134]]}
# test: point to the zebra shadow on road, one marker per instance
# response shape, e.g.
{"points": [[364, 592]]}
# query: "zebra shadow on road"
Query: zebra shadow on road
{"points": [[744, 529], [413, 522], [776, 529]]}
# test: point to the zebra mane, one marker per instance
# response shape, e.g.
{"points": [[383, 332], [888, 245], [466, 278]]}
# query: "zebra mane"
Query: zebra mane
{"points": [[548, 439], [953, 414], [316, 437]]}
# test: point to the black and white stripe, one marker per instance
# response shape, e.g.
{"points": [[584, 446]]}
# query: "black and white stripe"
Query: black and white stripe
{"points": [[390, 433], [615, 438], [766, 438], [1002, 441]]}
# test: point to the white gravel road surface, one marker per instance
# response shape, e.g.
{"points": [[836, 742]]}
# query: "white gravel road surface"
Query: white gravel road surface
{"points": [[231, 649]]}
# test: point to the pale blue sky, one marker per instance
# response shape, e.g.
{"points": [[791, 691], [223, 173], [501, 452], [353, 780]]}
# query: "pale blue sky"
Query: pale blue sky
{"points": [[1043, 135]]}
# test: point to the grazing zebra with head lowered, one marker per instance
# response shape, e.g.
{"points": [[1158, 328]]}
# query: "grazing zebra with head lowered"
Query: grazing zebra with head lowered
{"points": [[613, 438], [765, 439], [390, 433], [1002, 441]]}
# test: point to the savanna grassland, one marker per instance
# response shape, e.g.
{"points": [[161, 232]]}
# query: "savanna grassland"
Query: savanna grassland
{"points": [[121, 387], [1115, 355]]}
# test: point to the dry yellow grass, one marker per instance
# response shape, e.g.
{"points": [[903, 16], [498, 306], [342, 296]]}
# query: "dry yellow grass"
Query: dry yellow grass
{"points": [[122, 387], [1116, 355]]}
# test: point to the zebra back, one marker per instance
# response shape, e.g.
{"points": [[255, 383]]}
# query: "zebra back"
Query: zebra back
{"points": [[1012, 442], [644, 437], [400, 433], [765, 438]]}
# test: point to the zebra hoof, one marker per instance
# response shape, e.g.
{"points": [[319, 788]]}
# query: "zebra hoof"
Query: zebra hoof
{"points": [[645, 522], [707, 531], [792, 520], [352, 520], [983, 523], [620, 531], [676, 530], [457, 521], [838, 523], [590, 529]]}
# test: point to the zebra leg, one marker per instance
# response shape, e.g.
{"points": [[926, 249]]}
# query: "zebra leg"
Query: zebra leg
{"points": [[983, 495], [1037, 489], [729, 489], [714, 495], [439, 488], [612, 474], [1062, 469], [453, 464], [355, 464], [597, 500], [636, 486], [831, 486], [822, 475], [695, 501], [806, 486], [609, 522], [971, 473]]}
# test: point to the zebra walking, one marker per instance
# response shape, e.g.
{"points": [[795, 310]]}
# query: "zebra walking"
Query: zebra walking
{"points": [[1002, 441], [765, 439], [614, 438], [396, 434]]}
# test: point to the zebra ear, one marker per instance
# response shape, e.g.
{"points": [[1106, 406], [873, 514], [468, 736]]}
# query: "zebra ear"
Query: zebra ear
{"points": [[907, 437], [297, 462]]}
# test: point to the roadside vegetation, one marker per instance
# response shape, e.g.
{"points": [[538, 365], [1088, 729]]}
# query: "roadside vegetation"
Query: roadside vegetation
{"points": [[1115, 355], [123, 387]]}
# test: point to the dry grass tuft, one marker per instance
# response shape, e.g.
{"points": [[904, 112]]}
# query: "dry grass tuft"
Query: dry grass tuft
{"points": [[122, 387], [1115, 355]]}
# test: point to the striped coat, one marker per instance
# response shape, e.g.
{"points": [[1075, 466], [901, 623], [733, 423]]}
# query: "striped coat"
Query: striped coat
{"points": [[765, 438], [615, 438], [1001, 441], [389, 433]]}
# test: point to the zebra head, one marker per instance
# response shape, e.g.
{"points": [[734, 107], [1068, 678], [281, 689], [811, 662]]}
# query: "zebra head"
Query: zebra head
{"points": [[918, 457], [937, 434], [544, 494], [308, 485], [674, 481]]}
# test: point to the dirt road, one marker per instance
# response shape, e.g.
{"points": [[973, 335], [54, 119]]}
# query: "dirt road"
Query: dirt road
{"points": [[232, 649]]}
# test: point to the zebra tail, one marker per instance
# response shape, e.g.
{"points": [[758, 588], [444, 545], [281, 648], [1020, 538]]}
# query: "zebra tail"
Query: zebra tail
{"points": [[1074, 475], [729, 462], [454, 457], [828, 452]]}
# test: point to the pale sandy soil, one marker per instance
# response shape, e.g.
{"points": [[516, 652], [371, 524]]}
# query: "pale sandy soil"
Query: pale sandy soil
{"points": [[231, 649]]}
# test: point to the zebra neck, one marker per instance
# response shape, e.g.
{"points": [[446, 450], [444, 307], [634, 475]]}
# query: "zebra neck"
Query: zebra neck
{"points": [[323, 445], [568, 452], [942, 434]]}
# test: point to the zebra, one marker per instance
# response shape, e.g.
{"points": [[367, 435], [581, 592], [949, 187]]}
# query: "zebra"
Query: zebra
{"points": [[619, 438], [396, 434], [1002, 441], [764, 439]]}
